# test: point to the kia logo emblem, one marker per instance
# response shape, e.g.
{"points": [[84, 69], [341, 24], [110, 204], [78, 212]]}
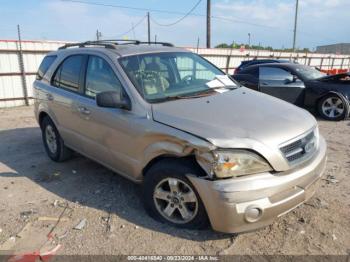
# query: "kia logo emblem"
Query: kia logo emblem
{"points": [[308, 147]]}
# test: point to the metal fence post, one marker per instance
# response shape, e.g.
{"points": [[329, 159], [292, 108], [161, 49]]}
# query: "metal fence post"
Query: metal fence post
{"points": [[228, 63], [309, 62], [21, 66], [229, 58]]}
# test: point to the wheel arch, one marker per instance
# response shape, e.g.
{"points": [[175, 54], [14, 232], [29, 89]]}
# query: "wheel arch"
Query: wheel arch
{"points": [[186, 159], [41, 117], [43, 114], [181, 147]]}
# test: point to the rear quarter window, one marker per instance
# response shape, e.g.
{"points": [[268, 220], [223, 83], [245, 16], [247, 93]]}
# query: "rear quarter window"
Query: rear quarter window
{"points": [[44, 66]]}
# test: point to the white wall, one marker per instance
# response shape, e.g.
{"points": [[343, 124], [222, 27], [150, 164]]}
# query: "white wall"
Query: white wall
{"points": [[10, 73], [34, 51]]}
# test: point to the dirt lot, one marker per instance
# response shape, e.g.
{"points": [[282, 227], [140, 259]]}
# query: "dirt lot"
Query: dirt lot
{"points": [[35, 191]]}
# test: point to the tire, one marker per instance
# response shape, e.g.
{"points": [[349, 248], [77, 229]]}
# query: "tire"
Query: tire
{"points": [[186, 207], [332, 107], [53, 143]]}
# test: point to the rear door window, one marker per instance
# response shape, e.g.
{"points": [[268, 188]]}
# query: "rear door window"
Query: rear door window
{"points": [[44, 66], [68, 74], [252, 72], [274, 73]]}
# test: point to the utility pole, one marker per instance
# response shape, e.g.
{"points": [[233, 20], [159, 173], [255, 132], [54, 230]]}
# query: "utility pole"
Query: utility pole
{"points": [[98, 35], [149, 28], [197, 44], [249, 40], [208, 23], [295, 24], [21, 66]]}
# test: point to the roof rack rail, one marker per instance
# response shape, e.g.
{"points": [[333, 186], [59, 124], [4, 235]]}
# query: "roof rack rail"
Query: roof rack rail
{"points": [[112, 43], [117, 41], [89, 43], [157, 43], [135, 42]]}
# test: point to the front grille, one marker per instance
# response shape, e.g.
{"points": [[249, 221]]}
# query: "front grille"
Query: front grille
{"points": [[300, 149]]}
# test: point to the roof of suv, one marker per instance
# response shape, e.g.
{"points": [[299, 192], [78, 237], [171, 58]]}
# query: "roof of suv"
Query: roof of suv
{"points": [[122, 49], [125, 50]]}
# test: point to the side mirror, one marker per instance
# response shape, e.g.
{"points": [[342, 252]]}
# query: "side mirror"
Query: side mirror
{"points": [[113, 99], [291, 79]]}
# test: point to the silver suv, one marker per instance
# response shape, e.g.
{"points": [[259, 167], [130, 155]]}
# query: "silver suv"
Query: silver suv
{"points": [[205, 148]]}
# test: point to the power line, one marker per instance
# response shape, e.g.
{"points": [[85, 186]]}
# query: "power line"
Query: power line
{"points": [[244, 22], [182, 18], [125, 7], [134, 26], [167, 12], [191, 14]]}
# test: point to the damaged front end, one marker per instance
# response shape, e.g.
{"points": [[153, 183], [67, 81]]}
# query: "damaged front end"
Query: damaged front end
{"points": [[248, 202]]}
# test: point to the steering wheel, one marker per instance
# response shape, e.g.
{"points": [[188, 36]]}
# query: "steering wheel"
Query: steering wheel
{"points": [[187, 79]]}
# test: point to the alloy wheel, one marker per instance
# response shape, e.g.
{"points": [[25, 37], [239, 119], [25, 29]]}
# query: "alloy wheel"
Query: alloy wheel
{"points": [[333, 107], [51, 139], [175, 200]]}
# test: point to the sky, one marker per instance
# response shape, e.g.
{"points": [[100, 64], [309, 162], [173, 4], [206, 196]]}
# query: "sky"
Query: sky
{"points": [[269, 22]]}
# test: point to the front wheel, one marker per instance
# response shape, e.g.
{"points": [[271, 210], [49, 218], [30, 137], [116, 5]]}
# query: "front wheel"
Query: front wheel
{"points": [[170, 197], [332, 108]]}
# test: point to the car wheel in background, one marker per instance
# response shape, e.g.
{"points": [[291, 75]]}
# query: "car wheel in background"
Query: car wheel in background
{"points": [[170, 197], [332, 107], [53, 142]]}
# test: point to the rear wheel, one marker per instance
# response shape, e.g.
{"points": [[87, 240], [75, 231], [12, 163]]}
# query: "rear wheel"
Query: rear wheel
{"points": [[53, 142], [170, 197], [332, 107]]}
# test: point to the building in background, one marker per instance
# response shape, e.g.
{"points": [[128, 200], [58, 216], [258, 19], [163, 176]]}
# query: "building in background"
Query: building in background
{"points": [[339, 49]]}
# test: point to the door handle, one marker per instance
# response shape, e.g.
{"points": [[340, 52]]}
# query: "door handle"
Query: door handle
{"points": [[84, 110], [49, 97]]}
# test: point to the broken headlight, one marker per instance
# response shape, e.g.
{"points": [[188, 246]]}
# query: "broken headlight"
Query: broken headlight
{"points": [[233, 163]]}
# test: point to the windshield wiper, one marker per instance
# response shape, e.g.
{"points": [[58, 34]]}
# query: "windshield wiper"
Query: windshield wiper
{"points": [[197, 94], [188, 96], [167, 98]]}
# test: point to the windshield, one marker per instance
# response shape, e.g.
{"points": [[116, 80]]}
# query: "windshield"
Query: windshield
{"points": [[161, 76], [309, 73]]}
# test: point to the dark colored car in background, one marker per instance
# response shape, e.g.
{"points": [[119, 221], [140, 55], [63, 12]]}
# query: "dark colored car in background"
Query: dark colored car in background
{"points": [[301, 85], [245, 64]]}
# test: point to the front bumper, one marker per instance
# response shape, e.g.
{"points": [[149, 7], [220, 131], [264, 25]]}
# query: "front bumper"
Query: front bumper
{"points": [[251, 202]]}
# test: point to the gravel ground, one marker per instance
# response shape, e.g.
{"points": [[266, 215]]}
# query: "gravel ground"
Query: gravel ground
{"points": [[35, 191]]}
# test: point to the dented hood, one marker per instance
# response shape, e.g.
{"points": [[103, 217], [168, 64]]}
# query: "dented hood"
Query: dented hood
{"points": [[333, 77], [226, 119]]}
